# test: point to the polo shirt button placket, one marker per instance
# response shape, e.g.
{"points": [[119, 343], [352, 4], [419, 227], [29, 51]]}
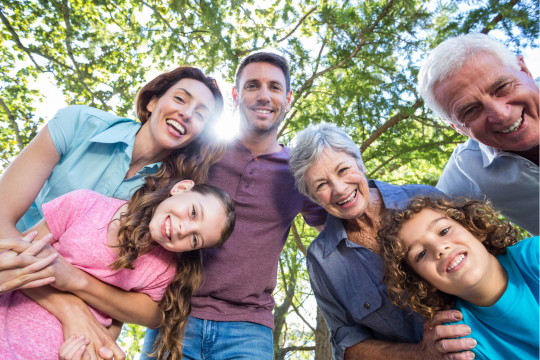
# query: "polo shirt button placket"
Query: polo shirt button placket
{"points": [[527, 164]]}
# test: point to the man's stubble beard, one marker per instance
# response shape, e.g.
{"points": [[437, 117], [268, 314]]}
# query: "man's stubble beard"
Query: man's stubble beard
{"points": [[244, 118]]}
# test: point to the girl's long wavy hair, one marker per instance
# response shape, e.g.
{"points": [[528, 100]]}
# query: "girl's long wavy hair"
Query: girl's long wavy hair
{"points": [[194, 160], [408, 289], [133, 239]]}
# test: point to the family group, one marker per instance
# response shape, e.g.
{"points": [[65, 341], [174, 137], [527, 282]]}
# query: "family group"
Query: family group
{"points": [[105, 221]]}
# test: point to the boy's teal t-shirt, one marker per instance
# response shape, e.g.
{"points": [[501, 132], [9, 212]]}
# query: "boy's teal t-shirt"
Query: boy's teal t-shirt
{"points": [[509, 328]]}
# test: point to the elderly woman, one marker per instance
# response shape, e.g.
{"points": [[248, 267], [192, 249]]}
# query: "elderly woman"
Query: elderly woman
{"points": [[344, 261]]}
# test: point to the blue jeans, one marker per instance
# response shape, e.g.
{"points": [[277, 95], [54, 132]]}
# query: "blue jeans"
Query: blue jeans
{"points": [[220, 340]]}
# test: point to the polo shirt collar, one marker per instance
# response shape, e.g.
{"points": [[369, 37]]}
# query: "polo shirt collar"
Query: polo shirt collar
{"points": [[125, 132], [121, 132], [393, 197], [489, 154]]}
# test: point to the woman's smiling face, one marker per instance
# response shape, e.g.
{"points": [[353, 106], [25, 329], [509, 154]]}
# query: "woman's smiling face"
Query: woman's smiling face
{"points": [[180, 115], [338, 184], [444, 253]]}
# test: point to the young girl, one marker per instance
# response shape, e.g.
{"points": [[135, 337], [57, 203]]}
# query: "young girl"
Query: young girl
{"points": [[125, 245], [442, 254]]}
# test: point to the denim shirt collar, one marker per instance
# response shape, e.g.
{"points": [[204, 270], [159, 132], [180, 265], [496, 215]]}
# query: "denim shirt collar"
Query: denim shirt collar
{"points": [[489, 154], [393, 196]]}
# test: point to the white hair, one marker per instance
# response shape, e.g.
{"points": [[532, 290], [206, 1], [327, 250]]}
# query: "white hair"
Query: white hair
{"points": [[309, 145], [450, 56]]}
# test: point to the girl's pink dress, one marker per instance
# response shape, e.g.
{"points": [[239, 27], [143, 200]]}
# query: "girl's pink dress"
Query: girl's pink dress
{"points": [[79, 221]]}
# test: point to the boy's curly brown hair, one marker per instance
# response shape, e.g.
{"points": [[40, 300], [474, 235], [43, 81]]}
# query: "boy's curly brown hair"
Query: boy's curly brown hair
{"points": [[408, 289]]}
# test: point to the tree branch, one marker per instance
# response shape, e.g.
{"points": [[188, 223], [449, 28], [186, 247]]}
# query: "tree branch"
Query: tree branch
{"points": [[497, 19], [29, 50], [290, 300], [13, 124], [339, 64], [391, 122], [69, 36], [283, 38], [297, 348], [297, 239]]}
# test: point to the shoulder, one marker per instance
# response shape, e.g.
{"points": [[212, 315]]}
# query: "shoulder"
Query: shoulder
{"points": [[525, 252], [316, 248], [83, 114]]}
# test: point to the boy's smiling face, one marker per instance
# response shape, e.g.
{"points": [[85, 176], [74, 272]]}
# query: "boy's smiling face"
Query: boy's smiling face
{"points": [[445, 254]]}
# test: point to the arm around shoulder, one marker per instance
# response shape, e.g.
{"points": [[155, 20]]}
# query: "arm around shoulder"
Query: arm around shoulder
{"points": [[23, 179]]}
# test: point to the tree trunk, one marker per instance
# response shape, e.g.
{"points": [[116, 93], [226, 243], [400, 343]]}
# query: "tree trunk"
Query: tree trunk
{"points": [[323, 349]]}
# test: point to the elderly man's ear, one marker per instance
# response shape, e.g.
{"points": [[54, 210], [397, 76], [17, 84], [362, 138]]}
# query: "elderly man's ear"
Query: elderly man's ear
{"points": [[524, 67], [455, 127]]}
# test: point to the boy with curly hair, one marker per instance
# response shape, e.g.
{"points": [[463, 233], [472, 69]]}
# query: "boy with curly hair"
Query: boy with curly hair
{"points": [[443, 253]]}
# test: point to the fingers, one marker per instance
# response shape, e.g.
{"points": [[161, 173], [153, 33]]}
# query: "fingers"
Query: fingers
{"points": [[31, 262], [105, 353], [467, 355], [15, 244], [450, 332], [73, 348], [117, 352], [448, 346], [26, 279], [38, 283], [445, 316], [30, 236], [38, 245]]}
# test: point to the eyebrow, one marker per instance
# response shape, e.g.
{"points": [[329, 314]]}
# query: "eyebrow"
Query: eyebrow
{"points": [[202, 219], [321, 179], [428, 228], [191, 97], [501, 80], [258, 82]]}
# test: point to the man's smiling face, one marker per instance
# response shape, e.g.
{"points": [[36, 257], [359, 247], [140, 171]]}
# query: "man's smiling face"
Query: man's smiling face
{"points": [[492, 103], [262, 97]]}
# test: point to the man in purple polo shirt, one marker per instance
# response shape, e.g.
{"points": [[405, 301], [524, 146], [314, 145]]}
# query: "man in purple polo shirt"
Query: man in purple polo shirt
{"points": [[232, 311]]}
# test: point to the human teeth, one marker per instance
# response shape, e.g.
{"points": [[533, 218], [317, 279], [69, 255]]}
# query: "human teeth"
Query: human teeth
{"points": [[263, 111], [168, 227], [177, 126], [456, 262], [347, 200], [514, 126]]}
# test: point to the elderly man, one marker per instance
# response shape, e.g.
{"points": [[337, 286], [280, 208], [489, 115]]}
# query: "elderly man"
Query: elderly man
{"points": [[487, 93]]}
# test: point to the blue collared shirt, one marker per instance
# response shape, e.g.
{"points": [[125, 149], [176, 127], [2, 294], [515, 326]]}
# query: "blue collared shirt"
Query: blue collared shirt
{"points": [[347, 281], [95, 150], [508, 180]]}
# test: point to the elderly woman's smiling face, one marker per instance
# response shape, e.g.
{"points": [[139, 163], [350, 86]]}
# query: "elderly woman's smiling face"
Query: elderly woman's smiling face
{"points": [[338, 184]]}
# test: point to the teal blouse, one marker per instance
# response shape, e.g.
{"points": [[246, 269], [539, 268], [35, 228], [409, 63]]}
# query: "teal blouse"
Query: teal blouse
{"points": [[95, 150]]}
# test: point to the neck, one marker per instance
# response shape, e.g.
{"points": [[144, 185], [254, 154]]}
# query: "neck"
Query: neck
{"points": [[363, 229], [490, 289], [531, 154], [146, 150], [260, 144]]}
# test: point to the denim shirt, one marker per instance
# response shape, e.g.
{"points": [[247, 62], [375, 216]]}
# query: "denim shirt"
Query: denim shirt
{"points": [[508, 180], [347, 281]]}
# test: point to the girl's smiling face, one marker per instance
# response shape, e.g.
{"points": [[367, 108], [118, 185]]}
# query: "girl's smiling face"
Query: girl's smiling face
{"points": [[188, 220], [445, 254]]}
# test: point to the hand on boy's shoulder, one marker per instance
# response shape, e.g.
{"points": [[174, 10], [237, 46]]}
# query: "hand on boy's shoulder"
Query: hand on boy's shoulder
{"points": [[444, 339]]}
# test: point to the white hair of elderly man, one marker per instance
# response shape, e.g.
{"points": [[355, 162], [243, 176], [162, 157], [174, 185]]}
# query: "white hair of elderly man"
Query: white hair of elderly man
{"points": [[450, 56]]}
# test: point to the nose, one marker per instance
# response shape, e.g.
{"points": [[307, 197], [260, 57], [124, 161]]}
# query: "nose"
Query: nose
{"points": [[186, 113], [339, 188], [441, 248], [263, 94], [497, 110]]}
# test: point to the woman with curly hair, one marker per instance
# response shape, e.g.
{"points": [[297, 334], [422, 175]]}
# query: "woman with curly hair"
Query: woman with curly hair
{"points": [[445, 253]]}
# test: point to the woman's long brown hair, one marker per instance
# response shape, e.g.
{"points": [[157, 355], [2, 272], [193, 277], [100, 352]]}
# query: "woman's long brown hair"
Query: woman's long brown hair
{"points": [[194, 160], [408, 289], [133, 239]]}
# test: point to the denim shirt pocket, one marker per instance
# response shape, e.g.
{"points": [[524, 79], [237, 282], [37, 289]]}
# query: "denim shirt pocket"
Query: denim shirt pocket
{"points": [[367, 309]]}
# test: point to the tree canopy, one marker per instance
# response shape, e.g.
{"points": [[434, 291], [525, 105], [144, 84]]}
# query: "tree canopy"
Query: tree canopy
{"points": [[353, 63]]}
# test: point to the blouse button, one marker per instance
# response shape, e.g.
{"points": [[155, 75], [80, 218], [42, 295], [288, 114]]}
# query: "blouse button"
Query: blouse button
{"points": [[366, 305]]}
